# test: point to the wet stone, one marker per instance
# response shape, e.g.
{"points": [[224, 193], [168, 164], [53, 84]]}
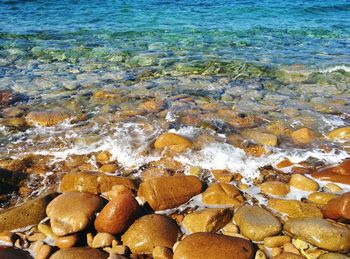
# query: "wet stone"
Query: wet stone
{"points": [[294, 208], [212, 246], [222, 193], [321, 233], [30, 213], [150, 231], [79, 253], [338, 207], [118, 214], [169, 191], [256, 223], [72, 211], [92, 182], [206, 220], [46, 118]]}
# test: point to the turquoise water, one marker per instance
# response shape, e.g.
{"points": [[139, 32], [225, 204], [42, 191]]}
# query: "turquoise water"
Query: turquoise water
{"points": [[313, 33], [123, 72]]}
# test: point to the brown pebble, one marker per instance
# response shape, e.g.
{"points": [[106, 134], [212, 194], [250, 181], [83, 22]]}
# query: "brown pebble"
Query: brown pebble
{"points": [[276, 241], [118, 214], [66, 241], [44, 252], [161, 252]]}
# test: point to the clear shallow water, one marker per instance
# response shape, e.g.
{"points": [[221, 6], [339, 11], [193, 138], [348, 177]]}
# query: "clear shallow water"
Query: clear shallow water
{"points": [[315, 33]]}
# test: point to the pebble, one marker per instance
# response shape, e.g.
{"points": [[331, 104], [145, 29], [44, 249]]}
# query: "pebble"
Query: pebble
{"points": [[275, 188], [303, 136], [150, 231], [172, 142], [332, 187], [222, 193], [161, 252], [223, 175], [116, 191], [118, 214], [295, 209], [44, 252], [166, 192], [261, 137], [303, 183], [339, 173], [339, 134], [256, 223], [333, 256], [206, 220], [213, 246], [46, 118], [66, 241], [276, 241], [118, 249], [46, 230], [320, 232], [79, 253], [102, 240], [72, 211], [230, 229], [338, 208], [92, 182], [321, 198]]}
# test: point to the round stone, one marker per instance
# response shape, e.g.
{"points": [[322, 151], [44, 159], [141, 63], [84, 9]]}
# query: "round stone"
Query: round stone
{"points": [[150, 231], [257, 223], [173, 142], [206, 220], [303, 183], [169, 191], [79, 253], [275, 188], [72, 211], [321, 233], [117, 215], [213, 246]]}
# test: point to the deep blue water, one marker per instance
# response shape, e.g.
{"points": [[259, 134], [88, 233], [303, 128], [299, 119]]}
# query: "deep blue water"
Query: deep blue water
{"points": [[315, 33]]}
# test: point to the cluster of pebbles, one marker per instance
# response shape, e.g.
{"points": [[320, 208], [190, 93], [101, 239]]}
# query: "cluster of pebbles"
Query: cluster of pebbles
{"points": [[92, 205]]}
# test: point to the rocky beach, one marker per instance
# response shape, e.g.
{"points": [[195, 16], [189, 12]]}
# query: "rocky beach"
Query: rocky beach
{"points": [[143, 135]]}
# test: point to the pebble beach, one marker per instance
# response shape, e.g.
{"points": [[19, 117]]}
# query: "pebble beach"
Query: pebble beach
{"points": [[174, 129]]}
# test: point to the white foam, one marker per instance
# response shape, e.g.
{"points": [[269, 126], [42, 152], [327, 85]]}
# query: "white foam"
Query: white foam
{"points": [[226, 157], [336, 68]]}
